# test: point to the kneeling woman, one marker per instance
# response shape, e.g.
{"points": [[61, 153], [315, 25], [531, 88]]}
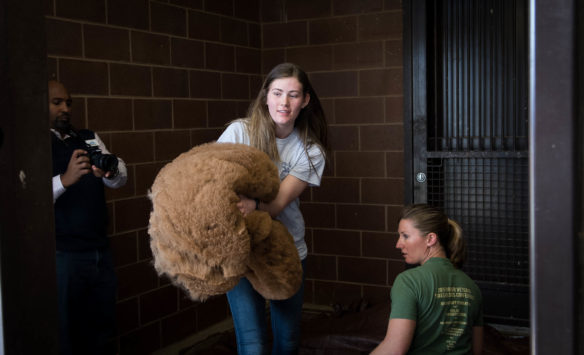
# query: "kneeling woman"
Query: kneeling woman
{"points": [[435, 307]]}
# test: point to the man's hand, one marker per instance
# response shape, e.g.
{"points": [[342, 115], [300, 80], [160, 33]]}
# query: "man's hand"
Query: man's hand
{"points": [[100, 173], [78, 166]]}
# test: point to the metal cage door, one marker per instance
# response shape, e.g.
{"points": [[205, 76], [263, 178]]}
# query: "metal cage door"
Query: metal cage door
{"points": [[469, 137]]}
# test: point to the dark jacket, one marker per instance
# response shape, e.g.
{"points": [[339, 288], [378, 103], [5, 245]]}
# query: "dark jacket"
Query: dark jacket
{"points": [[80, 212]]}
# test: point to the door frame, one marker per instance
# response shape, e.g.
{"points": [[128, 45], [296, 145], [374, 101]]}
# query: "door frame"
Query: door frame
{"points": [[28, 291], [414, 64], [552, 120]]}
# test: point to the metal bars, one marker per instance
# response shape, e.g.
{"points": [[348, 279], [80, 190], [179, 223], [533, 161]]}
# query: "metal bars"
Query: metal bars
{"points": [[479, 96], [489, 198], [477, 131], [470, 136]]}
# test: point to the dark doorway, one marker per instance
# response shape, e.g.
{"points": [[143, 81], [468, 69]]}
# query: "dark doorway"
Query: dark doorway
{"points": [[468, 125]]}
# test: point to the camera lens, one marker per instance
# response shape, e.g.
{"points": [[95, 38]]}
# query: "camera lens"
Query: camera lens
{"points": [[109, 162], [105, 162]]}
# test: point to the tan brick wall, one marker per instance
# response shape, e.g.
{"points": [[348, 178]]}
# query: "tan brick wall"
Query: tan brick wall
{"points": [[353, 53], [155, 78]]}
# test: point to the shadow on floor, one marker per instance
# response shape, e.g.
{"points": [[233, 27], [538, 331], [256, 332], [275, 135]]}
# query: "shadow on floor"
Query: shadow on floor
{"points": [[354, 330]]}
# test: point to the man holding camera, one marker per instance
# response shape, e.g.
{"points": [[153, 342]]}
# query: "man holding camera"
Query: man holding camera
{"points": [[86, 280]]}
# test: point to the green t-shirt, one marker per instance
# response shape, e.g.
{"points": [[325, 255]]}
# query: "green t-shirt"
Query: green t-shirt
{"points": [[445, 303]]}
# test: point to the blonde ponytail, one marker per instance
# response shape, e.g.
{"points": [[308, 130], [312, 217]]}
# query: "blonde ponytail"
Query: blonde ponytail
{"points": [[457, 245], [430, 219]]}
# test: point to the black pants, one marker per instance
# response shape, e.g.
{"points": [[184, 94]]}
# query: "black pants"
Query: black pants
{"points": [[87, 297]]}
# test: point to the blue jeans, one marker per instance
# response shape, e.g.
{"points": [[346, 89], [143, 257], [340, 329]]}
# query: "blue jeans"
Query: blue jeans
{"points": [[248, 309], [86, 286]]}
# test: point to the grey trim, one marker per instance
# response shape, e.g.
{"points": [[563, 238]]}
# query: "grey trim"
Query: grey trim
{"points": [[552, 175]]}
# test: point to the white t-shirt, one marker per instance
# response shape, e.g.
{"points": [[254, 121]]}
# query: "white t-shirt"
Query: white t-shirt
{"points": [[293, 160]]}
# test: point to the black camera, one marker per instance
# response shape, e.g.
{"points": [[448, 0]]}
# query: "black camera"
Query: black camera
{"points": [[105, 162]]}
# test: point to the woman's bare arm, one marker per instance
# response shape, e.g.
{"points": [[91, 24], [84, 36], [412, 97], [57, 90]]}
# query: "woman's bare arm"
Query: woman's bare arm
{"points": [[398, 339], [290, 188]]}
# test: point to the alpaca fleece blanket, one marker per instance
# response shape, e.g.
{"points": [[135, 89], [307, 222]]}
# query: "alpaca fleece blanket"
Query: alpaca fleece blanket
{"points": [[201, 240]]}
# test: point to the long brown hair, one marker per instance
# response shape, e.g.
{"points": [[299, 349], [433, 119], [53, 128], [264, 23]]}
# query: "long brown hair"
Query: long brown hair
{"points": [[429, 219], [310, 123]]}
